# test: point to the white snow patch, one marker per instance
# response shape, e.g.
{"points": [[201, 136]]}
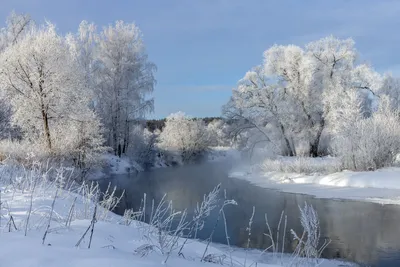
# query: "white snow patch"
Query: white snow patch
{"points": [[120, 165], [381, 186]]}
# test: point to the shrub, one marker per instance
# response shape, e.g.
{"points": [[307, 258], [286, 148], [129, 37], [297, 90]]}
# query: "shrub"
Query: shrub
{"points": [[185, 137], [79, 144], [370, 143], [302, 165]]}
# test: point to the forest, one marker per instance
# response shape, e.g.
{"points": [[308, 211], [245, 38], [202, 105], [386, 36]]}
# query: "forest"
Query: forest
{"points": [[75, 106], [77, 96]]}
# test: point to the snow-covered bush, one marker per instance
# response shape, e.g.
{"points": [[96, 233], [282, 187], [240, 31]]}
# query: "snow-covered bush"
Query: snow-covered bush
{"points": [[183, 137], [369, 143], [17, 151], [79, 141], [75, 143]]}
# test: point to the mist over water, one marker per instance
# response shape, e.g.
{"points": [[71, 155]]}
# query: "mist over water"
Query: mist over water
{"points": [[363, 232]]}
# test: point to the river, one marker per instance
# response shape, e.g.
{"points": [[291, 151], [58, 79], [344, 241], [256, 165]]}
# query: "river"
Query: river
{"points": [[361, 232]]}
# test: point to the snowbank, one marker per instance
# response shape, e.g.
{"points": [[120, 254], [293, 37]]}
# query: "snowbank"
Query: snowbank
{"points": [[120, 165], [112, 245], [385, 178], [382, 186]]}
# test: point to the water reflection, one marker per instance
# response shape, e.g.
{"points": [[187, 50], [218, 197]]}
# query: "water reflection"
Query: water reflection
{"points": [[362, 232]]}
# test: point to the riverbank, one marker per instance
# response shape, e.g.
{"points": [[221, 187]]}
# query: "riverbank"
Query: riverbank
{"points": [[115, 165], [380, 186]]}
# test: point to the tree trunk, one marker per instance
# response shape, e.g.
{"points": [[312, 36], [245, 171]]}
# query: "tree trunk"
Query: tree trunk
{"points": [[46, 128], [289, 149], [45, 116], [126, 138], [291, 153], [115, 136], [314, 146], [119, 150]]}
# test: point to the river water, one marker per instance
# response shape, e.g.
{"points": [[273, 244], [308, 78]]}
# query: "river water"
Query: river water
{"points": [[361, 232]]}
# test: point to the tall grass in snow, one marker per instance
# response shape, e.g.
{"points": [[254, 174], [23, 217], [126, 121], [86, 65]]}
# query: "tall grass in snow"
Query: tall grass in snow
{"points": [[168, 230], [39, 182], [302, 165], [307, 248]]}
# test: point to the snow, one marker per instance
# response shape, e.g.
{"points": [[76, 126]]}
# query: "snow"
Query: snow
{"points": [[120, 165], [380, 186], [219, 153], [385, 178], [113, 244]]}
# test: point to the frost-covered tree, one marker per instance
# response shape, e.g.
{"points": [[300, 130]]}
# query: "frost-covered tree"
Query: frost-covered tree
{"points": [[183, 136], [117, 68], [17, 25], [7, 131], [217, 132], [143, 148], [83, 48], [288, 102], [391, 88], [124, 79], [46, 88], [257, 107]]}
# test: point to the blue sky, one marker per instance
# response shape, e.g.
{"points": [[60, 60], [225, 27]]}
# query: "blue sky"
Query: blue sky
{"points": [[203, 47]]}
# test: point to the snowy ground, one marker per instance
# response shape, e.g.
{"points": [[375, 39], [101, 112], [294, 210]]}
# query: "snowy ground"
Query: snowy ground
{"points": [[120, 165], [381, 186], [114, 243]]}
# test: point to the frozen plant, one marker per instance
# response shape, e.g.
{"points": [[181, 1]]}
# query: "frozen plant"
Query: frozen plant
{"points": [[307, 250], [162, 233], [108, 201], [248, 230], [226, 202], [201, 212], [308, 244]]}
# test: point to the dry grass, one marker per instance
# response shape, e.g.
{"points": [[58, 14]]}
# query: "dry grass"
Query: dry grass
{"points": [[303, 165]]}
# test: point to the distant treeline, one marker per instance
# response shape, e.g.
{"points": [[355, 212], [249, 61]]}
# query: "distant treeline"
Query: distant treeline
{"points": [[159, 124]]}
